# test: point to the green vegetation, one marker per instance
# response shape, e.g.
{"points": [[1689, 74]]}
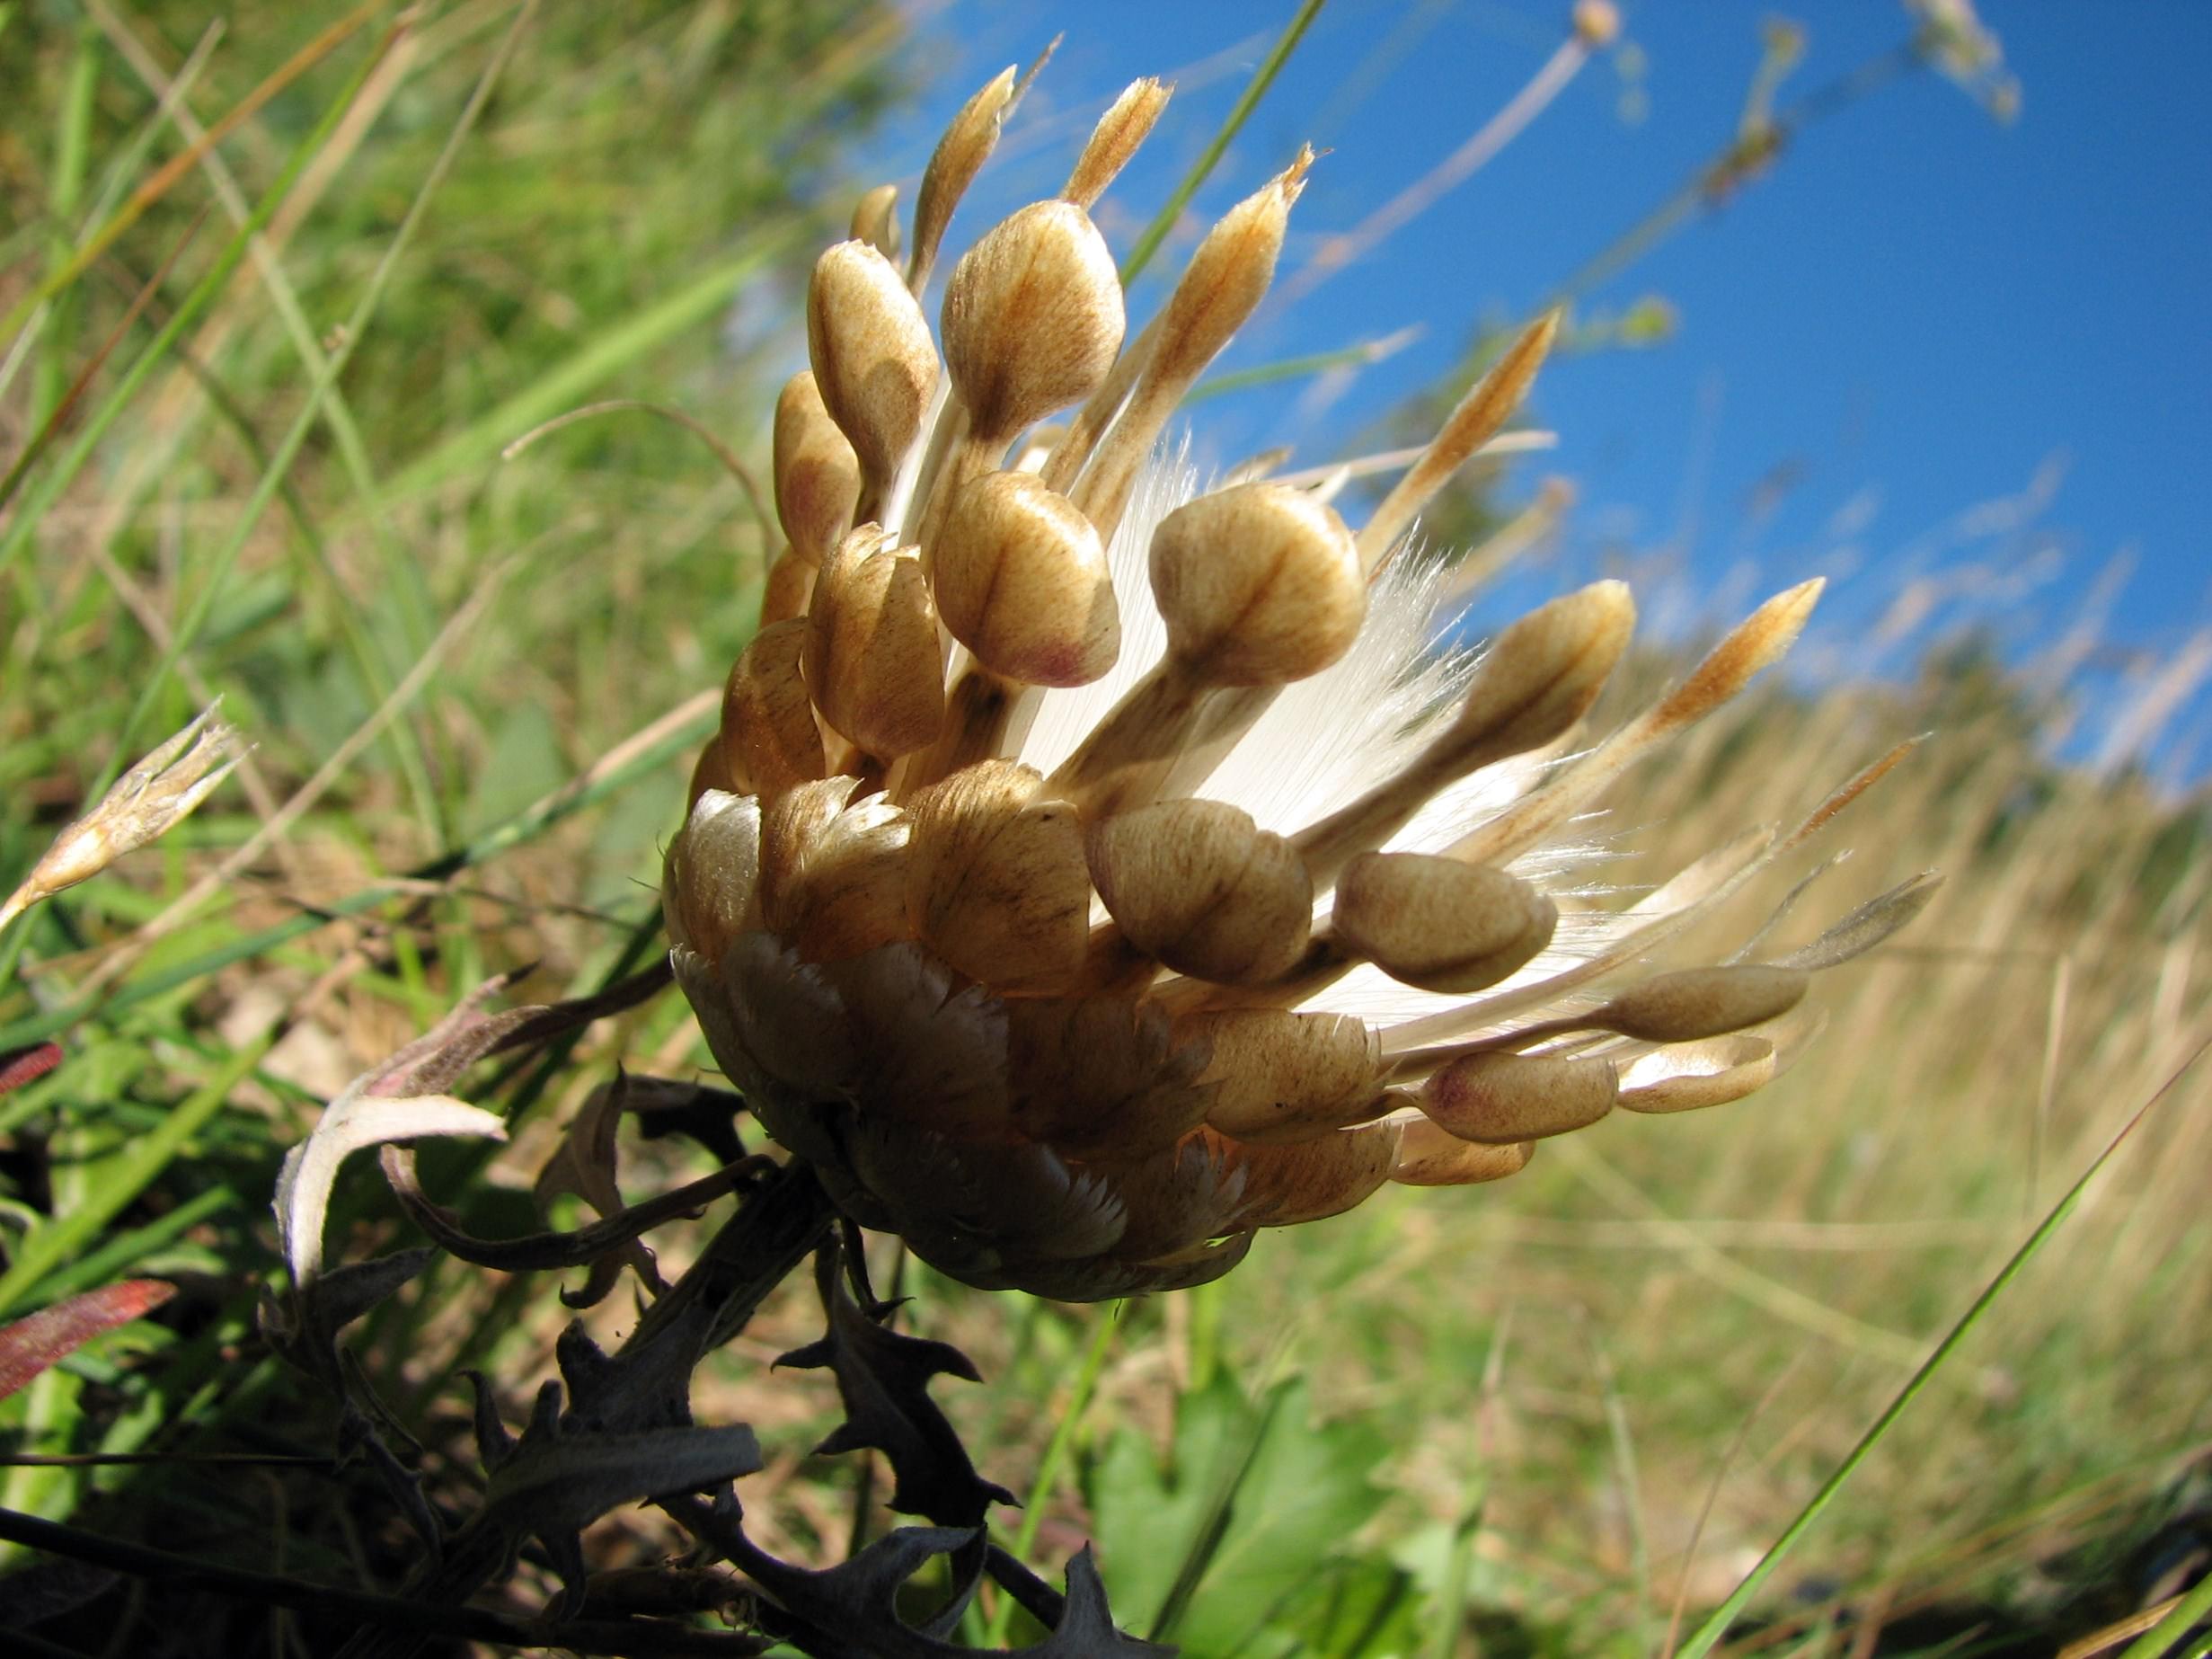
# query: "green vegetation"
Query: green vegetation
{"points": [[253, 398]]}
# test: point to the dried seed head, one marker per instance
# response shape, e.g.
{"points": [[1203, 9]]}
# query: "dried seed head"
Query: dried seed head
{"points": [[1429, 1155], [1032, 319], [874, 362], [142, 805], [1694, 1003], [872, 659], [997, 883], [1438, 924], [817, 473], [959, 155], [1022, 582], [1258, 585], [1114, 140], [875, 220], [1279, 1076], [769, 738], [1500, 1099], [1198, 885]]}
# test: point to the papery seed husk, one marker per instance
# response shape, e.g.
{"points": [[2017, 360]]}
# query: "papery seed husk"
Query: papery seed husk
{"points": [[1307, 1180], [1280, 1076], [1125, 125], [875, 220], [1692, 1003], [1431, 1156], [1476, 420], [1021, 579], [1102, 1077], [839, 884], [959, 155], [874, 362], [1697, 1074], [711, 872], [817, 472], [789, 589], [872, 662], [1257, 586], [1198, 885], [933, 1051], [1032, 318], [1500, 1099], [998, 886], [1438, 924], [768, 733]]}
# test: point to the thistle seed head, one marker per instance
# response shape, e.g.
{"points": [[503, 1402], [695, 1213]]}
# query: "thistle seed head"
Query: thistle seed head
{"points": [[1091, 870]]}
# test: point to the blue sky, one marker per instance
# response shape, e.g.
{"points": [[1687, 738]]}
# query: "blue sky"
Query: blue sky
{"points": [[1937, 357]]}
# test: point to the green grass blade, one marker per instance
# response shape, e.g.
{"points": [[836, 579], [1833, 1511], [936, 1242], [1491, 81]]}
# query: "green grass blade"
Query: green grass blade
{"points": [[2164, 1638], [1708, 1635], [311, 413], [203, 294], [1055, 1454], [478, 444], [1247, 102], [66, 1235]]}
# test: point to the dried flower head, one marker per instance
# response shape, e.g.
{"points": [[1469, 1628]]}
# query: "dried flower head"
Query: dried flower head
{"points": [[144, 803], [1092, 869]]}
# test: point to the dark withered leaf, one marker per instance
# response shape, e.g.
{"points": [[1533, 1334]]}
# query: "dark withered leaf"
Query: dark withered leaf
{"points": [[884, 1381]]}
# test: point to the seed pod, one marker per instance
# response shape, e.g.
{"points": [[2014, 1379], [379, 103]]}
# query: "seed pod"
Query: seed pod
{"points": [[1279, 1076], [1258, 585], [1307, 1180], [1032, 319], [768, 734], [1225, 279], [1102, 1077], [873, 360], [875, 220], [1198, 885], [1430, 1156], [1021, 579], [1537, 679], [711, 874], [1115, 138], [1694, 1003], [1500, 1099], [1697, 1074], [789, 589], [817, 473], [1437, 924], [872, 658], [997, 883], [833, 876]]}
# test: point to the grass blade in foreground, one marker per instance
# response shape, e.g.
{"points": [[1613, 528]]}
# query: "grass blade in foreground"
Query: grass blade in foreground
{"points": [[1707, 1634]]}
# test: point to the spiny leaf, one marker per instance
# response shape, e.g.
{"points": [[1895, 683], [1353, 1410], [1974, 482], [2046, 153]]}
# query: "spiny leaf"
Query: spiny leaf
{"points": [[883, 1379]]}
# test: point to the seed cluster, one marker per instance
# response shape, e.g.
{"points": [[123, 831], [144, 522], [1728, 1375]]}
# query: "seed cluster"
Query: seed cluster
{"points": [[1069, 1027]]}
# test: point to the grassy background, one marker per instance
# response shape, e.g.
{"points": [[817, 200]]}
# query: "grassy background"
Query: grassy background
{"points": [[1525, 1396]]}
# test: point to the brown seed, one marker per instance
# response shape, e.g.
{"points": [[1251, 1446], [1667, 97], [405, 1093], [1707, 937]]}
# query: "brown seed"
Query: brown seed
{"points": [[997, 886], [1438, 924], [768, 734], [1198, 885], [874, 362], [1500, 1099], [872, 659], [1279, 1076], [817, 473], [1032, 319], [1258, 585], [1702, 1002], [1021, 581], [1431, 1156]]}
